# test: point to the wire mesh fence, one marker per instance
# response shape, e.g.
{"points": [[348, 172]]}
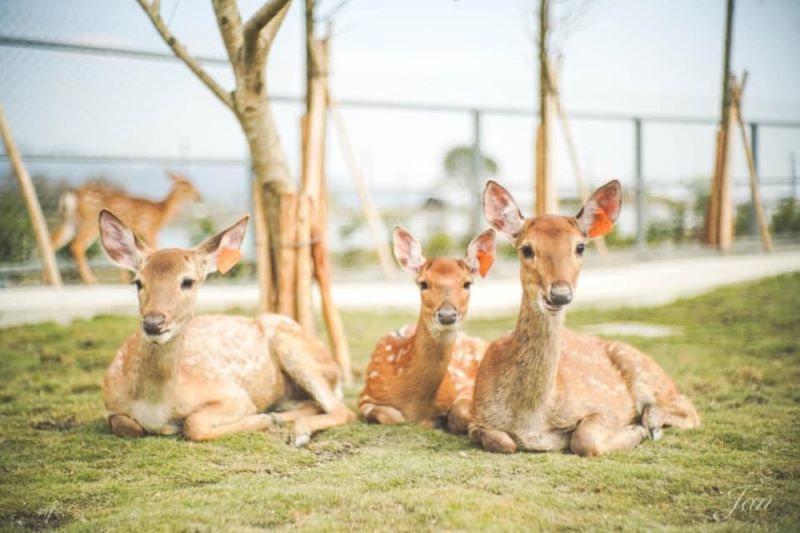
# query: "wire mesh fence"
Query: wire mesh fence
{"points": [[102, 100]]}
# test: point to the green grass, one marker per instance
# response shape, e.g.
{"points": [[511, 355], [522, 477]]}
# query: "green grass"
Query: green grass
{"points": [[738, 357]]}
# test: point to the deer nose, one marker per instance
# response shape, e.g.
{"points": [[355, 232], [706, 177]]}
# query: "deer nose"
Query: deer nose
{"points": [[446, 315], [153, 323], [560, 293]]}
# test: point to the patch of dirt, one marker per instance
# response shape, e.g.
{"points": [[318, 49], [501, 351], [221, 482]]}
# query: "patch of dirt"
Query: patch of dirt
{"points": [[87, 343], [60, 424], [33, 521]]}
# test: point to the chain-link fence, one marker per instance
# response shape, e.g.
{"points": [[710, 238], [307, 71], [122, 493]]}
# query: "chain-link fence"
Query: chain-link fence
{"points": [[88, 105]]}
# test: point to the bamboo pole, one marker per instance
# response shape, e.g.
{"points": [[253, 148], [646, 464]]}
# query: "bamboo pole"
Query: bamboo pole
{"points": [[755, 195], [50, 271], [569, 140], [726, 212], [309, 192], [376, 226], [266, 301], [287, 255]]}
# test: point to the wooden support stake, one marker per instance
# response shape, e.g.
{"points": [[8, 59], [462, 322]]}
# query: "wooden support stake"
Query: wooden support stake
{"points": [[726, 211], [376, 227], [287, 254], [583, 189], [755, 195], [50, 271], [267, 301], [330, 312]]}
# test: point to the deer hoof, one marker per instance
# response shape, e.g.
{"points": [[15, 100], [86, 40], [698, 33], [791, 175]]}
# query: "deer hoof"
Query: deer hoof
{"points": [[299, 438], [653, 421]]}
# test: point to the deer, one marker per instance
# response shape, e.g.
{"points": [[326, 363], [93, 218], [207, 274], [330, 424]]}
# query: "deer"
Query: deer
{"points": [[542, 387], [80, 209], [425, 372], [206, 376]]}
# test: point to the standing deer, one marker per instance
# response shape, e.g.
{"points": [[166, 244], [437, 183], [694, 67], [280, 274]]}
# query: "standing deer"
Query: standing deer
{"points": [[545, 388], [207, 376], [423, 372], [81, 208]]}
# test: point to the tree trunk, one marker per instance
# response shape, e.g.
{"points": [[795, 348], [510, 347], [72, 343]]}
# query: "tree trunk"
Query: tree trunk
{"points": [[271, 171]]}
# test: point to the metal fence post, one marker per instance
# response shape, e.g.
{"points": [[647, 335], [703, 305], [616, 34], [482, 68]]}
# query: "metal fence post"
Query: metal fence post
{"points": [[641, 226], [754, 230], [477, 173]]}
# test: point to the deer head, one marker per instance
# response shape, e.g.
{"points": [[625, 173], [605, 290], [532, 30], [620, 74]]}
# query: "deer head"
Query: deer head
{"points": [[444, 283], [550, 247], [167, 280], [183, 188]]}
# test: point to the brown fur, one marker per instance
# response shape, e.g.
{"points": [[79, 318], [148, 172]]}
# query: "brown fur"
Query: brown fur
{"points": [[545, 388], [144, 217], [421, 373], [207, 376]]}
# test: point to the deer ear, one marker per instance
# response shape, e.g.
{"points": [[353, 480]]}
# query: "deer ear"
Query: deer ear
{"points": [[501, 211], [597, 216], [407, 250], [123, 248], [221, 252], [480, 253]]}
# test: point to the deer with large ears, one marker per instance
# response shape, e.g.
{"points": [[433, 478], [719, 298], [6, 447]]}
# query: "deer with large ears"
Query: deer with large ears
{"points": [[543, 387], [208, 376], [426, 372]]}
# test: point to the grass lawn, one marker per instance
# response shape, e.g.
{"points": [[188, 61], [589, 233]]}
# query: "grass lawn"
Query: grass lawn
{"points": [[737, 355]]}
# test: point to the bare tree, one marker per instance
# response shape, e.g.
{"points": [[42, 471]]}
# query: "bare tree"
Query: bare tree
{"points": [[247, 45]]}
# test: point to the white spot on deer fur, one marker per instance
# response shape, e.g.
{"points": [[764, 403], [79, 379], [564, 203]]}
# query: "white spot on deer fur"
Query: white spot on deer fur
{"points": [[373, 374], [389, 347], [152, 416], [391, 358]]}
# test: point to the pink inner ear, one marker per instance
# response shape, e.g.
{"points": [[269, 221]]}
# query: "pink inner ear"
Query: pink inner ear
{"points": [[601, 224]]}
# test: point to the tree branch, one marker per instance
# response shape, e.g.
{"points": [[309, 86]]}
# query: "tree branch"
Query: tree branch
{"points": [[230, 27], [152, 10], [260, 20]]}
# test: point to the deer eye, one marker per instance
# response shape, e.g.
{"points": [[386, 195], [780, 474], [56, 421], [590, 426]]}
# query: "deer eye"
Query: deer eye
{"points": [[467, 284], [187, 284], [138, 284], [423, 285], [527, 251], [579, 249]]}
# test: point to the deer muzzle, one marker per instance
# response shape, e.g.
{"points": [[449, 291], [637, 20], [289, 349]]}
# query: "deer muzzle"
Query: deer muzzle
{"points": [[153, 323], [447, 315]]}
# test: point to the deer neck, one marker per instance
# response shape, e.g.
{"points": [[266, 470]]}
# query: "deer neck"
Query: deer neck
{"points": [[430, 356], [171, 205], [158, 366], [537, 346]]}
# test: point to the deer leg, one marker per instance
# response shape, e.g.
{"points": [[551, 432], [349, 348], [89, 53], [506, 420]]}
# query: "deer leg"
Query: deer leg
{"points": [[594, 437], [62, 235], [493, 440], [681, 413], [303, 409], [84, 238], [218, 419], [382, 414], [294, 352], [125, 426], [307, 426], [459, 416]]}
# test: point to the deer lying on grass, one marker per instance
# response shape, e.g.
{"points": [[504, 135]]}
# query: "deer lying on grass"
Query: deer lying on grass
{"points": [[423, 372], [80, 209], [208, 376], [545, 388]]}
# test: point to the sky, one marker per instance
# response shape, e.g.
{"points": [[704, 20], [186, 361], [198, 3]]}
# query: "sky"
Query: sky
{"points": [[619, 56]]}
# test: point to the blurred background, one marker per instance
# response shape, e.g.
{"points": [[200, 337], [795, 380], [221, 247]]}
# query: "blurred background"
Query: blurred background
{"points": [[92, 94]]}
